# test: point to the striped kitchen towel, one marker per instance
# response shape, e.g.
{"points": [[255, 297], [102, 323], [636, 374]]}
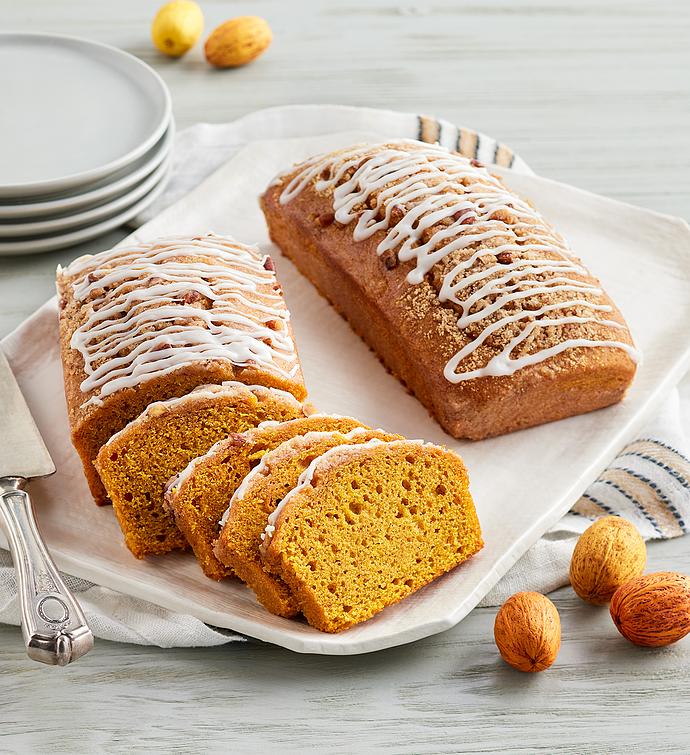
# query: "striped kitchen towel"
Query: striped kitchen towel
{"points": [[647, 483]]}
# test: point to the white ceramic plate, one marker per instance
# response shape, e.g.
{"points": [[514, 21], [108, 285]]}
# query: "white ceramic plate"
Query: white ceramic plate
{"points": [[522, 483], [71, 238], [62, 223], [74, 112], [92, 194]]}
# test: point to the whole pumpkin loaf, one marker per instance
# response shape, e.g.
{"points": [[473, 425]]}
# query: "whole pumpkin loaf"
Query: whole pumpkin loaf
{"points": [[462, 288], [152, 321]]}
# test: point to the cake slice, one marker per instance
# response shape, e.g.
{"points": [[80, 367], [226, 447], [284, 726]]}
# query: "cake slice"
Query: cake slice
{"points": [[136, 463], [150, 321], [369, 524], [198, 496], [258, 495]]}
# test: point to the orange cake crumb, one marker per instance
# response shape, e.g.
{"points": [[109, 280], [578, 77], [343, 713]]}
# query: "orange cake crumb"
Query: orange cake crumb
{"points": [[258, 495], [199, 495], [369, 524]]}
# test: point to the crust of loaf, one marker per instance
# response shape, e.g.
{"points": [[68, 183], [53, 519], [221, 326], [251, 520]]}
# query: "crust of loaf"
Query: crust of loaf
{"points": [[409, 339]]}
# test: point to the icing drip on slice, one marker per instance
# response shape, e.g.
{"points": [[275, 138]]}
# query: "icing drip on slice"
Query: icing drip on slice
{"points": [[248, 438], [268, 459], [155, 307], [430, 204]]}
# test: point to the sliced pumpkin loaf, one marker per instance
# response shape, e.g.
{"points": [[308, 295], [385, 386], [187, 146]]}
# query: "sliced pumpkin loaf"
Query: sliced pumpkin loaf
{"points": [[369, 524], [258, 495], [149, 321], [136, 463], [198, 496]]}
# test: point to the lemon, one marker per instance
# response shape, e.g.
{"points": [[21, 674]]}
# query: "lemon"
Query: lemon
{"points": [[177, 27]]}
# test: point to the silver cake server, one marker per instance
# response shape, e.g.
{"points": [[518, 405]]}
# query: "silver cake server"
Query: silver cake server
{"points": [[53, 625]]}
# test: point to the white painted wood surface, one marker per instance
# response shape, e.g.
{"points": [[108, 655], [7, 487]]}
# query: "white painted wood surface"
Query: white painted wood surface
{"points": [[596, 94]]}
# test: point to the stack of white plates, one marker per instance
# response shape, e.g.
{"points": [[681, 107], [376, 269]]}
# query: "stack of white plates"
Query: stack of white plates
{"points": [[86, 132]]}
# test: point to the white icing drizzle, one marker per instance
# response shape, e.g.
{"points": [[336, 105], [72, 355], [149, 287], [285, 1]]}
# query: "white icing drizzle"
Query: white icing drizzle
{"points": [[432, 186], [146, 325], [261, 469], [305, 479]]}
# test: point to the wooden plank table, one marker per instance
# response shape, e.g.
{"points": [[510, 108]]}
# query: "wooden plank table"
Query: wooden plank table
{"points": [[591, 93]]}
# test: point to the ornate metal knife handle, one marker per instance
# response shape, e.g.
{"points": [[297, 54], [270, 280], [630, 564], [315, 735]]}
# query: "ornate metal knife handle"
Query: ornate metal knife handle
{"points": [[54, 627]]}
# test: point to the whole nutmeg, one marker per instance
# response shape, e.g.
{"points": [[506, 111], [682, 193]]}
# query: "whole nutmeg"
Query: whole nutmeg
{"points": [[527, 631], [238, 42], [609, 553], [653, 610]]}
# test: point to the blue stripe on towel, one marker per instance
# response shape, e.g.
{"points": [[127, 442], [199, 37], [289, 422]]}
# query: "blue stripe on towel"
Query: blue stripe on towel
{"points": [[673, 472], [663, 498], [635, 503], [606, 509], [666, 446]]}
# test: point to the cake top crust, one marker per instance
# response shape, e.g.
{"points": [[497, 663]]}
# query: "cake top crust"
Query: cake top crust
{"points": [[144, 310], [504, 286]]}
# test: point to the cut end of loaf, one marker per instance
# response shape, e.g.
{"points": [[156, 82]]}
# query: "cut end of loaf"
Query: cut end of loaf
{"points": [[257, 500], [199, 496], [372, 525], [136, 464]]}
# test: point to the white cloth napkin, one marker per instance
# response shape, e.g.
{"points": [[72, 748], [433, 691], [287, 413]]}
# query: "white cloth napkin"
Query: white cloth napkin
{"points": [[648, 482]]}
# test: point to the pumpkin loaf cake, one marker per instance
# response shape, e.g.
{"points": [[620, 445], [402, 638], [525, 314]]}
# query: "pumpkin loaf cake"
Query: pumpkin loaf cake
{"points": [[198, 496], [147, 322], [462, 288], [258, 495], [367, 525], [137, 462]]}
